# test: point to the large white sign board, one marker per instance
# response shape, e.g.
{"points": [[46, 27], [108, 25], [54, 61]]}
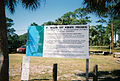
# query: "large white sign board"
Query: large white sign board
{"points": [[71, 41], [25, 68]]}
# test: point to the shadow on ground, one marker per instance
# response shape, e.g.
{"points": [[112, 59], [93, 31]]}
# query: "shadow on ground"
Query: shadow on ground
{"points": [[39, 80], [104, 75]]}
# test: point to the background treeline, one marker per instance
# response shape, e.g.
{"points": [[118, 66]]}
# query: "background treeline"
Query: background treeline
{"points": [[14, 40], [99, 35]]}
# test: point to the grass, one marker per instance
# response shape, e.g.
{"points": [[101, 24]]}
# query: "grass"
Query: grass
{"points": [[103, 48], [68, 69]]}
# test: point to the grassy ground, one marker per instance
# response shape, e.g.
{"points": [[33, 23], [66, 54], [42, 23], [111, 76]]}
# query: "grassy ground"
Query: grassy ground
{"points": [[68, 69], [103, 48]]}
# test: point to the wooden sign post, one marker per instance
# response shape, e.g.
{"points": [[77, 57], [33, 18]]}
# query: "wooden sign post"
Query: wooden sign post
{"points": [[87, 69]]}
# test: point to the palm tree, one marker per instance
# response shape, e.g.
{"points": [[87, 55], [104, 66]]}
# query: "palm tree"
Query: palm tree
{"points": [[10, 4], [93, 35], [101, 6], [116, 26]]}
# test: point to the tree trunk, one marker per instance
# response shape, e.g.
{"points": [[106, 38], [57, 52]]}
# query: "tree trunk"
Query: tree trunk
{"points": [[4, 71], [112, 35], [115, 37], [119, 38]]}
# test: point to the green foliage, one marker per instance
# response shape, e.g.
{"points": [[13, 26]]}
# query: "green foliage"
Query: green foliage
{"points": [[101, 7], [28, 4], [60, 21], [77, 17], [49, 23], [68, 18], [102, 21], [23, 39], [13, 41], [81, 16], [93, 35], [98, 35], [116, 26], [106, 8], [34, 24]]}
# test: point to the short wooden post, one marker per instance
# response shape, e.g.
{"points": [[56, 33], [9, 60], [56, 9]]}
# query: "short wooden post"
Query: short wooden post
{"points": [[95, 73], [55, 72], [21, 67]]}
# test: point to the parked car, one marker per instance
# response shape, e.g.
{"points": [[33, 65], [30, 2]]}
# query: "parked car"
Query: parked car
{"points": [[21, 49]]}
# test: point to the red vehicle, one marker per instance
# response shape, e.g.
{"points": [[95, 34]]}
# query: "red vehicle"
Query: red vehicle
{"points": [[21, 49]]}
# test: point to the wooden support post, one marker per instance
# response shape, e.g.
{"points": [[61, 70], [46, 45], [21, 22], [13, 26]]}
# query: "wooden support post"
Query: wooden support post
{"points": [[95, 73], [87, 69], [55, 72]]}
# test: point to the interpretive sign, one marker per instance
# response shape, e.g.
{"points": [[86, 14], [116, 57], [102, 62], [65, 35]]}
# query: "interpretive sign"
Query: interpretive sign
{"points": [[71, 41], [66, 41], [25, 68]]}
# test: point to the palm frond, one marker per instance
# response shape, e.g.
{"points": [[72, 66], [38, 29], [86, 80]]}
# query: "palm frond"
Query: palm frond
{"points": [[101, 6], [11, 5], [31, 4]]}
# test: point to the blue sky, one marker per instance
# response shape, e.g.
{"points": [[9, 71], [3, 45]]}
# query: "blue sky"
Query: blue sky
{"points": [[49, 11]]}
